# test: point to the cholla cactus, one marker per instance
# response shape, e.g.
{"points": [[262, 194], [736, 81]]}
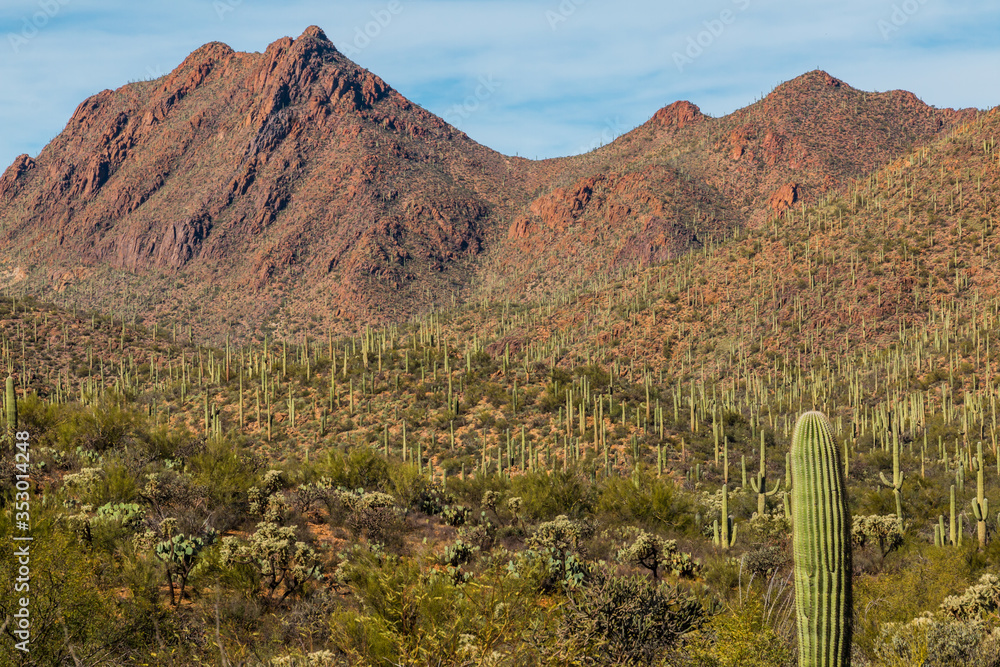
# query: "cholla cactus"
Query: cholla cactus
{"points": [[83, 482], [265, 501], [886, 530], [279, 558], [514, 505], [490, 500], [560, 534], [979, 599], [653, 552], [314, 659]]}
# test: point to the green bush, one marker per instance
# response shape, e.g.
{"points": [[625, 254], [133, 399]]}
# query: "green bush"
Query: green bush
{"points": [[627, 620], [99, 428], [360, 468], [652, 501], [226, 474], [936, 641], [546, 495], [741, 636]]}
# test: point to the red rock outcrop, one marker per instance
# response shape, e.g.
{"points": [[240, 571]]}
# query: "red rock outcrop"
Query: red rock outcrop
{"points": [[783, 198], [677, 115]]}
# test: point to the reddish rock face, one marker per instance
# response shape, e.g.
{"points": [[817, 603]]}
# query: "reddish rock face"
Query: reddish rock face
{"points": [[296, 176], [783, 198], [678, 115], [8, 182]]}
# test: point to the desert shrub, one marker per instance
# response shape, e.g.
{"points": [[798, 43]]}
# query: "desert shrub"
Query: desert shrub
{"points": [[627, 620], [169, 493], [741, 636], [414, 491], [765, 560], [921, 582], [771, 528], [226, 473], [546, 495], [358, 468], [650, 501], [933, 640], [377, 524], [116, 485], [74, 609], [100, 427]]}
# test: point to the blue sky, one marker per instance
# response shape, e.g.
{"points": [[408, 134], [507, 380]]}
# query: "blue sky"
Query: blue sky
{"points": [[540, 78]]}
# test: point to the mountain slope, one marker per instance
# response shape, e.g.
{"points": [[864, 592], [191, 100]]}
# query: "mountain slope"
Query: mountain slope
{"points": [[288, 171], [683, 170], [294, 189]]}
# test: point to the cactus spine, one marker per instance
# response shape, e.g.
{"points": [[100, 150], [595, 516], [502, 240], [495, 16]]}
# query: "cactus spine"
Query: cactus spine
{"points": [[759, 481], [980, 504], [821, 541]]}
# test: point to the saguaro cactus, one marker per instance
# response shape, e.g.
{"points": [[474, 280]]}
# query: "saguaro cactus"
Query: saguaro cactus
{"points": [[11, 401], [980, 504], [821, 541], [897, 480], [759, 481], [728, 537], [952, 526]]}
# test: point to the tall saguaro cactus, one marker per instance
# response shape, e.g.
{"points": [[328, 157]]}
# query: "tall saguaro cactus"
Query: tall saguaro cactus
{"points": [[821, 541], [897, 480], [728, 537], [11, 400], [980, 504], [759, 481]]}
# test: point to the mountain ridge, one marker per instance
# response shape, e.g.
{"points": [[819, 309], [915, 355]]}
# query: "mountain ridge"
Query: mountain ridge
{"points": [[303, 181]]}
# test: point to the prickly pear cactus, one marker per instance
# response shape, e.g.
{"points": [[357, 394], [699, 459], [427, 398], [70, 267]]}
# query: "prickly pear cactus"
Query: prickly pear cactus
{"points": [[821, 541]]}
